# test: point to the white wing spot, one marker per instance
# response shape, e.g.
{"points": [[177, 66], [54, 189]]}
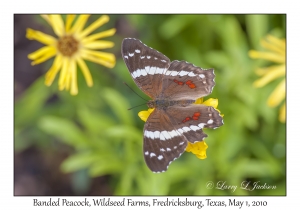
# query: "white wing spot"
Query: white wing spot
{"points": [[165, 134], [194, 128], [143, 72], [162, 150], [204, 82], [201, 125], [152, 154], [180, 130], [160, 157], [156, 134], [173, 133], [209, 115], [125, 56], [155, 58], [164, 61], [181, 143], [149, 134], [148, 57], [191, 74], [210, 121], [168, 149], [202, 76], [146, 153], [175, 147], [186, 129], [142, 57], [183, 73], [131, 54], [137, 51], [162, 137], [174, 73]]}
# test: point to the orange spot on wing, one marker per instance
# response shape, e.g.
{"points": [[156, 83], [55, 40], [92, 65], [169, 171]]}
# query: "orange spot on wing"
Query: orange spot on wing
{"points": [[196, 114], [180, 83], [189, 82], [192, 86], [195, 118], [175, 80]]}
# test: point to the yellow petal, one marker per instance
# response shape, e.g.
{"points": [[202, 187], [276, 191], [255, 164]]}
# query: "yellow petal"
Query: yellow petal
{"points": [[69, 22], [277, 95], [57, 25], [199, 101], [99, 45], [102, 55], [145, 114], [211, 102], [278, 42], [99, 61], [68, 76], [100, 35], [74, 87], [272, 47], [270, 76], [85, 71], [41, 52], [50, 75], [40, 36], [99, 22], [44, 55], [266, 70], [105, 59], [79, 24], [267, 56], [47, 18], [63, 74], [198, 149], [282, 114]]}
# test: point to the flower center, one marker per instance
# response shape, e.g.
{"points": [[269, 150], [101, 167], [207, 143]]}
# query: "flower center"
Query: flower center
{"points": [[67, 45]]}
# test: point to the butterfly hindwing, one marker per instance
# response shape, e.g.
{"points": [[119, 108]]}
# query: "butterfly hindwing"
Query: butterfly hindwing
{"points": [[145, 65], [162, 143], [193, 118]]}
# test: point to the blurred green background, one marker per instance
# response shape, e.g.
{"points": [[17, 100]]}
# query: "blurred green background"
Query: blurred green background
{"points": [[90, 144]]}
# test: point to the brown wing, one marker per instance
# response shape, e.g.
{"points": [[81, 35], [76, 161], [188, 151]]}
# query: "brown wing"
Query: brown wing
{"points": [[183, 81], [145, 65], [162, 142], [190, 120]]}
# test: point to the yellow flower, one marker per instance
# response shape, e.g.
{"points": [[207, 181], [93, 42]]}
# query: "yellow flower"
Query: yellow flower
{"points": [[73, 45], [276, 54], [199, 148]]}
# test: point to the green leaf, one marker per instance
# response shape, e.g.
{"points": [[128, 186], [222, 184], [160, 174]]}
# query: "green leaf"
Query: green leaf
{"points": [[78, 161], [94, 120], [64, 129], [31, 103], [257, 25], [119, 105]]}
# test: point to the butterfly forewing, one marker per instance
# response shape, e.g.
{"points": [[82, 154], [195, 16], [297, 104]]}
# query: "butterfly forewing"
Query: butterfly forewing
{"points": [[162, 142], [145, 65], [184, 81]]}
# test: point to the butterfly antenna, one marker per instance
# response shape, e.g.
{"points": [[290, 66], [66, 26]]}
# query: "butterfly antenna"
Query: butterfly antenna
{"points": [[136, 106], [135, 93]]}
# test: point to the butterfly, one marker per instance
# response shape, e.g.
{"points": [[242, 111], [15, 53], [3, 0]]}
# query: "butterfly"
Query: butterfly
{"points": [[173, 87]]}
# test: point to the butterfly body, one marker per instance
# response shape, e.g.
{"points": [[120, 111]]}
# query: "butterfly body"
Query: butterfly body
{"points": [[164, 104], [173, 87]]}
